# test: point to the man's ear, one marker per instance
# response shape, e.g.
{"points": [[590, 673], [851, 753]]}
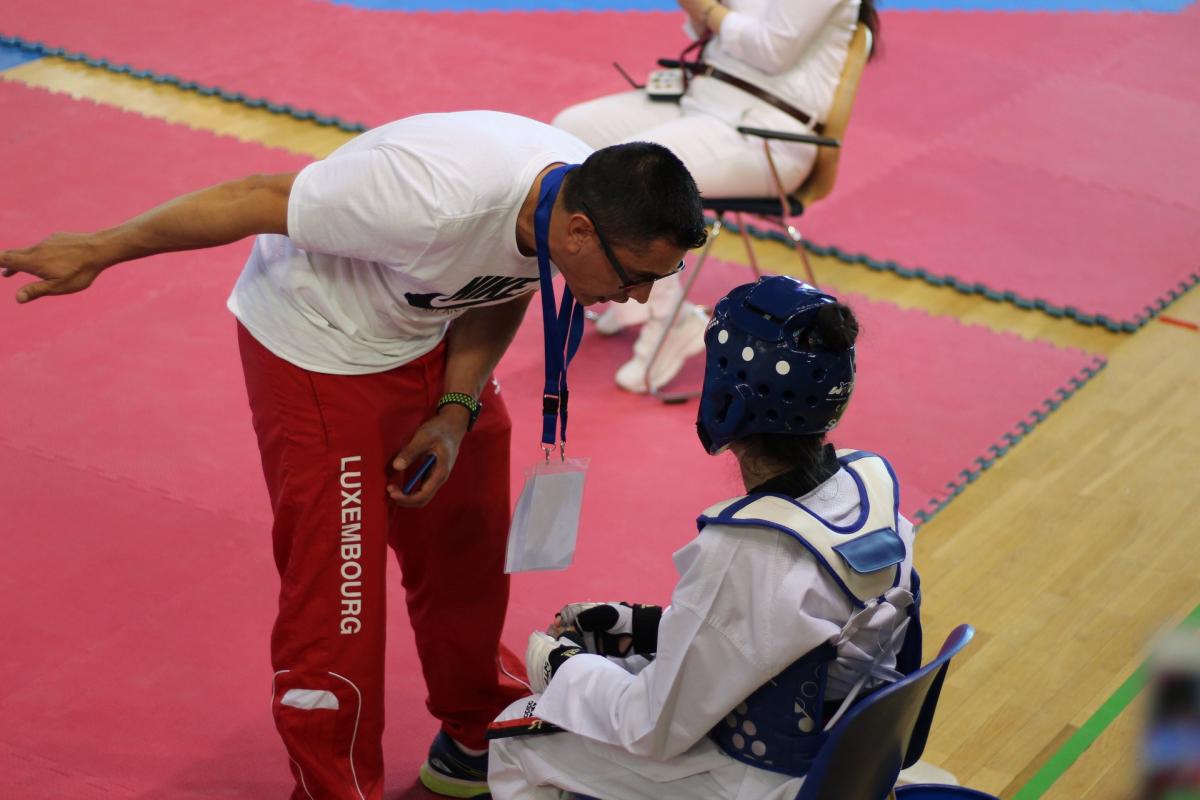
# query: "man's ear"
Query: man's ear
{"points": [[580, 232]]}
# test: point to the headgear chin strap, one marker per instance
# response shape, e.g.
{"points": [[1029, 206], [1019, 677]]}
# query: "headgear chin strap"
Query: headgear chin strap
{"points": [[767, 370]]}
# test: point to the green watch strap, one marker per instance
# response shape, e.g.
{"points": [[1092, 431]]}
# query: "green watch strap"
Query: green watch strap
{"points": [[466, 401]]}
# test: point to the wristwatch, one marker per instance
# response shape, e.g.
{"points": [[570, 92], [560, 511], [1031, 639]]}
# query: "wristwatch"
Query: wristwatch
{"points": [[466, 401]]}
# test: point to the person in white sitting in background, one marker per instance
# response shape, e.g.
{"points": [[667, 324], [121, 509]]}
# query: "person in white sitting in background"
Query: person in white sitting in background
{"points": [[793, 601], [791, 52]]}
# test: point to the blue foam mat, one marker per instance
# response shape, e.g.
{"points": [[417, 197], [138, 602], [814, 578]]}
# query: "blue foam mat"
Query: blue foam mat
{"points": [[15, 56]]}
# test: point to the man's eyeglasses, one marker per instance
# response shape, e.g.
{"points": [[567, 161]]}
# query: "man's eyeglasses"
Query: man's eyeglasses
{"points": [[626, 281]]}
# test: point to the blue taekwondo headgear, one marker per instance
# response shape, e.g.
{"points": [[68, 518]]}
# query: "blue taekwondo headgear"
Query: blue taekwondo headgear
{"points": [[767, 369]]}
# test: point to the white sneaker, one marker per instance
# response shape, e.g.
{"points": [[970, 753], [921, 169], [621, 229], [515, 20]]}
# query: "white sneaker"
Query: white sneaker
{"points": [[621, 315], [685, 339]]}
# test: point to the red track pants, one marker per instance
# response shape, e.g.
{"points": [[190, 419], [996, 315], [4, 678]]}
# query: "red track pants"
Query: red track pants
{"points": [[327, 442]]}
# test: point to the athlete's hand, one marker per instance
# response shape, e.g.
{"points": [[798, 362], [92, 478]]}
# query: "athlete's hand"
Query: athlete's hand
{"points": [[65, 263], [545, 654], [616, 630], [440, 436]]}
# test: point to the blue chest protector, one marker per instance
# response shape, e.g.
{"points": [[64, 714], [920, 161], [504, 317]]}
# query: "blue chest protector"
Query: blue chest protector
{"points": [[781, 726]]}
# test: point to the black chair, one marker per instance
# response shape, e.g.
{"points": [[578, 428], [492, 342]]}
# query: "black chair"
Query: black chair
{"points": [[883, 734]]}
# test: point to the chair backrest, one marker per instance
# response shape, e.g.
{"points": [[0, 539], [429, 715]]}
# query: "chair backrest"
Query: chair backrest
{"points": [[824, 172], [882, 734]]}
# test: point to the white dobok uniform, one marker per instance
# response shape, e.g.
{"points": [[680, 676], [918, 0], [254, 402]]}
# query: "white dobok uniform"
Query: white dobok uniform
{"points": [[752, 599]]}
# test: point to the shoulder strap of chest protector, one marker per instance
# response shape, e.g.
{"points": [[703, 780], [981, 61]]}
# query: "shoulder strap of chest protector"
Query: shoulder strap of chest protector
{"points": [[865, 557]]}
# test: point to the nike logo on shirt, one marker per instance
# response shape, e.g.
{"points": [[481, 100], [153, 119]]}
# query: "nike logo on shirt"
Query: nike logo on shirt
{"points": [[479, 291]]}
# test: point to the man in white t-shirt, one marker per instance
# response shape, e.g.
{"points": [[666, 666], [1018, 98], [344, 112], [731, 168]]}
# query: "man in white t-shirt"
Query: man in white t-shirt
{"points": [[385, 284]]}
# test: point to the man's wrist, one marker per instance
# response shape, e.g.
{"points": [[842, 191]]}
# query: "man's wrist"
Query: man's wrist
{"points": [[460, 407], [457, 415]]}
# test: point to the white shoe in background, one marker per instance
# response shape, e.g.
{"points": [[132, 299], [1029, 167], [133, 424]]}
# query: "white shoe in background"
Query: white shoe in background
{"points": [[685, 340], [621, 315]]}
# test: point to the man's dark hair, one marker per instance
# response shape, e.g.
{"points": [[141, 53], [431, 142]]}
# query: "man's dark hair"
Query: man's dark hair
{"points": [[639, 192]]}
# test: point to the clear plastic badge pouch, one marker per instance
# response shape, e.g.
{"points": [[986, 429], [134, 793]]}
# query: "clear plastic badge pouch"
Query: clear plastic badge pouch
{"points": [[546, 520]]}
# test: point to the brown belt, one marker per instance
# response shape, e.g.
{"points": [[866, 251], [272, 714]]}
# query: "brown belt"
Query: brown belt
{"points": [[709, 71]]}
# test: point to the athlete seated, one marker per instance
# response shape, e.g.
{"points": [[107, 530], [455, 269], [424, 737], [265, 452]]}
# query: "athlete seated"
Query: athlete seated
{"points": [[794, 600]]}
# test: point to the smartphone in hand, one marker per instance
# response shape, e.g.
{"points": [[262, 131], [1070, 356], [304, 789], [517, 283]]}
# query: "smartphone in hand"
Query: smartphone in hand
{"points": [[419, 476]]}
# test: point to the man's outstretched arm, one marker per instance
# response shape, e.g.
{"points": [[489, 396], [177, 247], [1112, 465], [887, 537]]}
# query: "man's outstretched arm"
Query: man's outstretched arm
{"points": [[69, 262]]}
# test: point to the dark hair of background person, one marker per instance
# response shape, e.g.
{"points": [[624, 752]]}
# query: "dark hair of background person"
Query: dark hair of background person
{"points": [[805, 461], [639, 193], [867, 15]]}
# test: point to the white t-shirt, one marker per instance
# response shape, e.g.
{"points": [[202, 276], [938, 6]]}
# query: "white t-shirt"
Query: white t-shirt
{"points": [[393, 235]]}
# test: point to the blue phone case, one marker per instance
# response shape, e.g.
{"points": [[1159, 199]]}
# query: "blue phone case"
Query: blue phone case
{"points": [[420, 476]]}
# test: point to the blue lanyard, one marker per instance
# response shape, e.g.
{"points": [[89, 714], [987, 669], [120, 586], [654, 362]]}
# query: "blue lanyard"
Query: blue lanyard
{"points": [[563, 330]]}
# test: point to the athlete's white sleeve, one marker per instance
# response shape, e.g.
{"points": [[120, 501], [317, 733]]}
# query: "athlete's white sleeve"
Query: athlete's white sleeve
{"points": [[735, 621]]}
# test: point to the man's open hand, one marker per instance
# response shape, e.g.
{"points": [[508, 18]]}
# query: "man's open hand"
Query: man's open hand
{"points": [[64, 262]]}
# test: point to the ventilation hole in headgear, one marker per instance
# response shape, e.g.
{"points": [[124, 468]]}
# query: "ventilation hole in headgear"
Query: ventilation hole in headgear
{"points": [[811, 400], [798, 422], [722, 362], [789, 396], [818, 374], [741, 375], [772, 416], [763, 389]]}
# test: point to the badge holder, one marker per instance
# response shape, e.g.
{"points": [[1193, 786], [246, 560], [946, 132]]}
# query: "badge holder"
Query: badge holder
{"points": [[545, 523]]}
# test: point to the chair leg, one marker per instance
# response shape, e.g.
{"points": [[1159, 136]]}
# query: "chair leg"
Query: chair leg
{"points": [[784, 220], [717, 226], [798, 245], [746, 243]]}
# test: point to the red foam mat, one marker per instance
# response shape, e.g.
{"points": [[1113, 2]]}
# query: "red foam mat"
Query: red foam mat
{"points": [[76, 166], [1012, 227], [135, 563], [1059, 115]]}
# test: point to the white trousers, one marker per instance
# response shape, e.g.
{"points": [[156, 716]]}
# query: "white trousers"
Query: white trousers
{"points": [[560, 765], [723, 162]]}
